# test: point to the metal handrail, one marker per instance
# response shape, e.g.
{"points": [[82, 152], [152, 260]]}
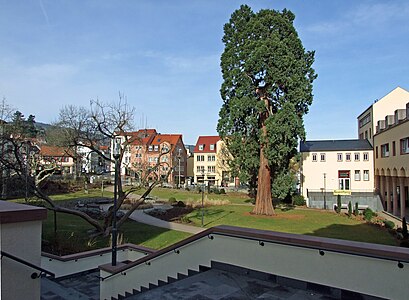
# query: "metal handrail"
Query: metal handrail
{"points": [[29, 264]]}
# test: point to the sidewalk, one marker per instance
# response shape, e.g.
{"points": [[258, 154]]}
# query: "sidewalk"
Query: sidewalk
{"points": [[141, 217]]}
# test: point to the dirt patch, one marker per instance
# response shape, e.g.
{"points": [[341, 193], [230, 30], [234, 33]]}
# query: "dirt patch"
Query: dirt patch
{"points": [[171, 215], [280, 216]]}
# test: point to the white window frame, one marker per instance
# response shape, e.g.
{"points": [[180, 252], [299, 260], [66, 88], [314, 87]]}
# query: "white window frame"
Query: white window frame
{"points": [[366, 156], [201, 147], [357, 156], [366, 175], [322, 156], [212, 147], [314, 157], [346, 157], [339, 156], [357, 175]]}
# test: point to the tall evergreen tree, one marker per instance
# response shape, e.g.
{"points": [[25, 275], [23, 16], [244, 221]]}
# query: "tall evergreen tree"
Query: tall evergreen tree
{"points": [[266, 90]]}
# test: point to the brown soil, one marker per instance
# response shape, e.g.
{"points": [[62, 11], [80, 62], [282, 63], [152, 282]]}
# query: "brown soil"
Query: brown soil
{"points": [[288, 217]]}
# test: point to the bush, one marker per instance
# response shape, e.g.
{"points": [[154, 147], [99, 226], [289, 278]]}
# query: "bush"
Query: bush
{"points": [[349, 209], [216, 191], [389, 224], [298, 200], [339, 204], [172, 200], [222, 191], [368, 214]]}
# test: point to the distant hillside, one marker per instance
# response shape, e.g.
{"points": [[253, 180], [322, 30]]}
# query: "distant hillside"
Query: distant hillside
{"points": [[42, 125]]}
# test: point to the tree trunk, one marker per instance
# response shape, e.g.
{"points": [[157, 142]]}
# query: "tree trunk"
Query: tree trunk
{"points": [[264, 200]]}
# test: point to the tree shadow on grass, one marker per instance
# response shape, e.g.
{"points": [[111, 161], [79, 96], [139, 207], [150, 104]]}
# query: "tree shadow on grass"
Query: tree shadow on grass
{"points": [[215, 215], [368, 233]]}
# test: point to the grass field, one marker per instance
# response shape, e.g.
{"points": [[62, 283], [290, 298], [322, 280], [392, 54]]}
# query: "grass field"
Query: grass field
{"points": [[299, 221], [73, 233]]}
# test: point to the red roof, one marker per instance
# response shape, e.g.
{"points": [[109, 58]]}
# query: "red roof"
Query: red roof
{"points": [[172, 139], [53, 151], [206, 141], [142, 136]]}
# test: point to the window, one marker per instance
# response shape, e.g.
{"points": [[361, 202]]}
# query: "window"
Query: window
{"points": [[365, 120], [211, 146], [385, 150], [156, 147], [357, 175], [165, 149], [366, 175], [348, 157], [314, 157], [200, 158], [150, 148], [201, 147], [366, 134], [376, 151], [200, 169], [211, 169], [211, 158], [322, 157], [164, 158], [339, 156], [150, 159], [366, 155], [404, 146], [356, 156]]}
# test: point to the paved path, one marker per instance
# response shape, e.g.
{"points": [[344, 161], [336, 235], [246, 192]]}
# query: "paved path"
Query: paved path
{"points": [[141, 217]]}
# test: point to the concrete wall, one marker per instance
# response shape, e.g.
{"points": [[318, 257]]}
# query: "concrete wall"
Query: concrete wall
{"points": [[23, 240], [355, 272]]}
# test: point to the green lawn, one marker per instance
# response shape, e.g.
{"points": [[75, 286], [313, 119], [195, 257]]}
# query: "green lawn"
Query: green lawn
{"points": [[93, 193], [183, 195], [299, 221], [73, 232]]}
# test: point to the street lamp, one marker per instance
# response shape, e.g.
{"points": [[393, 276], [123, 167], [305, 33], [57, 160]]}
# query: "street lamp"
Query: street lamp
{"points": [[179, 168], [116, 155], [203, 187], [325, 187]]}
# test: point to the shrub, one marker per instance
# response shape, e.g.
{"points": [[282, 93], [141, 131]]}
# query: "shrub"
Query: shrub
{"points": [[172, 200], [356, 210], [222, 191], [389, 224], [216, 191], [404, 243], [368, 214], [349, 209], [338, 204], [298, 200]]}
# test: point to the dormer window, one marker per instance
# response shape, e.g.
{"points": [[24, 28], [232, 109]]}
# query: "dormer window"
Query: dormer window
{"points": [[150, 148], [201, 147], [156, 147], [211, 146]]}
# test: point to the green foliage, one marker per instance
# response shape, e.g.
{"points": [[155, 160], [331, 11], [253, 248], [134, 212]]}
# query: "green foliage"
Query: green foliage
{"points": [[356, 210], [298, 200], [339, 203], [283, 185], [349, 209], [222, 191], [20, 126], [172, 200], [389, 224], [368, 214], [266, 71]]}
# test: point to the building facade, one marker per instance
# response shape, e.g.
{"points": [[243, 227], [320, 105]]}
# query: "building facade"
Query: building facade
{"points": [[391, 143], [368, 120], [211, 159], [334, 167]]}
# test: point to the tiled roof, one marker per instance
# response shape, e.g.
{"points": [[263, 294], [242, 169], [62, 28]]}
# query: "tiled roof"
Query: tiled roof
{"points": [[53, 151], [206, 141], [172, 139], [335, 145]]}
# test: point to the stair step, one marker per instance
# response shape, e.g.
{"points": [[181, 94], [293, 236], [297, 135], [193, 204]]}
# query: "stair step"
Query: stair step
{"points": [[181, 276], [162, 283], [152, 286], [204, 268], [135, 292], [192, 272], [144, 289], [171, 279]]}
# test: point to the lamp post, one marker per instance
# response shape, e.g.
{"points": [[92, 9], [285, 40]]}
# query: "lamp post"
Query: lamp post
{"points": [[203, 187], [325, 187], [179, 168], [116, 155]]}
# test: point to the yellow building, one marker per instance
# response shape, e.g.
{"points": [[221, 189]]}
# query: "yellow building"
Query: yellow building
{"points": [[391, 144], [211, 159], [368, 120]]}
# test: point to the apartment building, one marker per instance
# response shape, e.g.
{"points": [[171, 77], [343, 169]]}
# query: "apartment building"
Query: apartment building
{"points": [[147, 151], [367, 121], [59, 156], [211, 162], [337, 167], [391, 143]]}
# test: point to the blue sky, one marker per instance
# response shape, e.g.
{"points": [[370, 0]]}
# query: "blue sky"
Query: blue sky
{"points": [[164, 56]]}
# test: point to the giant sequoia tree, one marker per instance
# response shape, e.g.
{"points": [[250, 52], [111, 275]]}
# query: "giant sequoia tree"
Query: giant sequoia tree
{"points": [[266, 90]]}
